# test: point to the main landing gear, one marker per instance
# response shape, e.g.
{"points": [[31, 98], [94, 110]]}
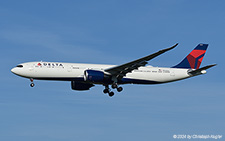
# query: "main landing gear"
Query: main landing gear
{"points": [[31, 80], [115, 86], [108, 90]]}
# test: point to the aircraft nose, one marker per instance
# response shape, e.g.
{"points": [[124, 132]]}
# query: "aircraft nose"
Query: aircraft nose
{"points": [[13, 70]]}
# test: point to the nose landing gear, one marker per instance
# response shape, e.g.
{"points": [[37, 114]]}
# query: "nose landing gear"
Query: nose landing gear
{"points": [[32, 80], [32, 84]]}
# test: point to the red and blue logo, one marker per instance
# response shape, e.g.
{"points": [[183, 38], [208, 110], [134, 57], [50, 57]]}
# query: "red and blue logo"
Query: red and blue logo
{"points": [[194, 59]]}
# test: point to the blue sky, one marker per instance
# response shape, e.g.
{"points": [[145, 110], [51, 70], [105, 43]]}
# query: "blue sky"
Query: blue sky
{"points": [[110, 32]]}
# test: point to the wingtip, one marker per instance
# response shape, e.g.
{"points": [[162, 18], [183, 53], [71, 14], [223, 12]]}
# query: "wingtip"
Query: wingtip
{"points": [[174, 45]]}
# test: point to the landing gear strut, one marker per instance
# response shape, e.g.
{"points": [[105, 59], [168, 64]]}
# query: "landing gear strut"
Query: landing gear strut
{"points": [[32, 80], [119, 89], [106, 90]]}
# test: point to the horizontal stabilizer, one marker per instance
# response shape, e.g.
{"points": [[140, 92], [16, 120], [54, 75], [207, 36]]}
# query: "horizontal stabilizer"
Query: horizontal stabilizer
{"points": [[201, 70]]}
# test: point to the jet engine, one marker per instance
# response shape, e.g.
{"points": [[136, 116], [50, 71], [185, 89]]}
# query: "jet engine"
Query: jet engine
{"points": [[80, 86], [95, 76]]}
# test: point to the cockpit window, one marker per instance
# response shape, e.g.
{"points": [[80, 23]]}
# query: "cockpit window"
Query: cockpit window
{"points": [[19, 66]]}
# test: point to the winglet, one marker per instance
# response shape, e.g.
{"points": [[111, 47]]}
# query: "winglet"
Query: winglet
{"points": [[161, 52], [170, 47], [175, 44]]}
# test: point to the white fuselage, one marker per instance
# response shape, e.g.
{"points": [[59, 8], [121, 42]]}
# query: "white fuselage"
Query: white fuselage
{"points": [[75, 72]]}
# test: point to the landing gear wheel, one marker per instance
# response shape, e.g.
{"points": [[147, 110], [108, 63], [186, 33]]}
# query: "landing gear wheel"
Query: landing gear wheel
{"points": [[106, 91], [111, 94], [119, 89], [114, 85], [32, 80], [32, 84]]}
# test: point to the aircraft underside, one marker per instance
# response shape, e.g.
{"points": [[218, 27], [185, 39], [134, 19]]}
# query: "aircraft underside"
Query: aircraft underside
{"points": [[122, 81], [79, 83]]}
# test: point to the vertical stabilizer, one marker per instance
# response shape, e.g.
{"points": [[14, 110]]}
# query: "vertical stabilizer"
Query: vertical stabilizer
{"points": [[194, 59]]}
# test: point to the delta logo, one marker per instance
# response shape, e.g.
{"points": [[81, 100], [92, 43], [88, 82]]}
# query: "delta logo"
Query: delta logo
{"points": [[50, 64]]}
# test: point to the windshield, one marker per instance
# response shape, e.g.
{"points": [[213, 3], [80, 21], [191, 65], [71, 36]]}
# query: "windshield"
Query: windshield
{"points": [[19, 66]]}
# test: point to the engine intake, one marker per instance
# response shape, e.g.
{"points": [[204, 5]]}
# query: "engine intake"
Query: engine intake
{"points": [[95, 76]]}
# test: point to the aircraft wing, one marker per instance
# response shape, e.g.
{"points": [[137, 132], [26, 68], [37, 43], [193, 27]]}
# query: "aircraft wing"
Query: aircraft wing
{"points": [[122, 70]]}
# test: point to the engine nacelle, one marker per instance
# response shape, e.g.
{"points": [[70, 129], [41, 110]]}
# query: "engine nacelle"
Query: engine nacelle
{"points": [[80, 86], [95, 76]]}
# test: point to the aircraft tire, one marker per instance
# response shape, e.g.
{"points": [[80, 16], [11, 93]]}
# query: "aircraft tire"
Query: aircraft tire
{"points": [[32, 84], [106, 91], [119, 89], [111, 94], [114, 85]]}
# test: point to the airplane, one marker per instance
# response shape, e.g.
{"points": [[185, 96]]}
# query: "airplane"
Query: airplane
{"points": [[85, 76]]}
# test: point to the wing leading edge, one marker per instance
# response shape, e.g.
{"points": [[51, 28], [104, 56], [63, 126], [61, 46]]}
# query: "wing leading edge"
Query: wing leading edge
{"points": [[122, 70]]}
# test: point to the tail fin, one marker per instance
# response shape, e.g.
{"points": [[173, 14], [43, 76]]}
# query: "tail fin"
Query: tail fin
{"points": [[194, 59]]}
